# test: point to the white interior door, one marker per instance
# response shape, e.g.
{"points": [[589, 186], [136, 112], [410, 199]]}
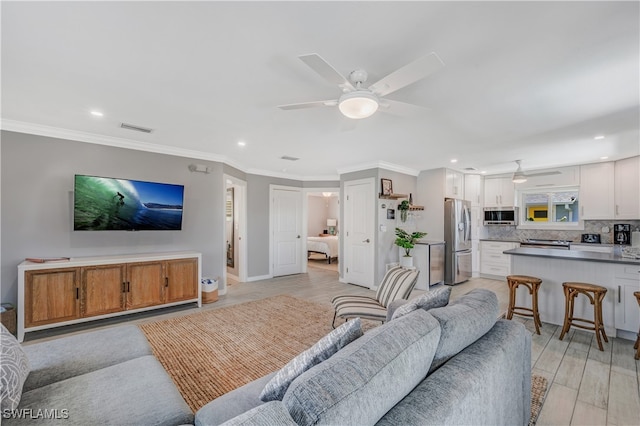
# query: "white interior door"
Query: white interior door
{"points": [[286, 226], [359, 211]]}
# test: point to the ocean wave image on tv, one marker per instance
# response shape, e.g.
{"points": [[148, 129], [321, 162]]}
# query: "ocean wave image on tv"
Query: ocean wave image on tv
{"points": [[120, 204]]}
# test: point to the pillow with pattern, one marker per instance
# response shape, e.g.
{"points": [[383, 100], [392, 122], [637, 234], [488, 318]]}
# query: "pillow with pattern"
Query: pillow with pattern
{"points": [[321, 351], [431, 299], [14, 370]]}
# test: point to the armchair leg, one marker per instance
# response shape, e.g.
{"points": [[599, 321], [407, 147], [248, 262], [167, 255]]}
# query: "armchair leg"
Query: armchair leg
{"points": [[333, 323]]}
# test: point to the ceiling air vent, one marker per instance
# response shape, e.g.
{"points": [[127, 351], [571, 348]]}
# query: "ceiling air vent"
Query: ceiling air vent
{"points": [[470, 169], [135, 128], [287, 157]]}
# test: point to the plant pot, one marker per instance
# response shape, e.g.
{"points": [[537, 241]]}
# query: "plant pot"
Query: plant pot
{"points": [[406, 261]]}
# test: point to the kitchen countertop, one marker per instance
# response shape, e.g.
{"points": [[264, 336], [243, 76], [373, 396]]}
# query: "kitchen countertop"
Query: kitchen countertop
{"points": [[573, 255], [429, 242], [500, 240]]}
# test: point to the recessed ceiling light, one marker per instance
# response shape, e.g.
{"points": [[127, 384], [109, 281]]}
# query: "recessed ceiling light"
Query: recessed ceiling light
{"points": [[603, 158], [97, 113], [454, 160], [599, 137], [483, 172], [241, 143]]}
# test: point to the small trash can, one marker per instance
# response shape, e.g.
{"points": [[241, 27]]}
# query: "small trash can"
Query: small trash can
{"points": [[8, 317], [209, 290]]}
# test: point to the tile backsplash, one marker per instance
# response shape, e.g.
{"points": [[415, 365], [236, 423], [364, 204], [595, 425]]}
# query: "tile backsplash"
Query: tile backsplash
{"points": [[590, 227]]}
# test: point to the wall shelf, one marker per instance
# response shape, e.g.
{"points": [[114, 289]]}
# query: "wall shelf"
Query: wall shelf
{"points": [[392, 196]]}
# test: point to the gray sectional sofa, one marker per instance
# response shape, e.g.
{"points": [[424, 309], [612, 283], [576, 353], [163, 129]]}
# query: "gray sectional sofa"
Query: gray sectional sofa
{"points": [[106, 377], [457, 364]]}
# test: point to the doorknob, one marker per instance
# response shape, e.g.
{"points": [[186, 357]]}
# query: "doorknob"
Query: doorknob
{"points": [[366, 241], [298, 236]]}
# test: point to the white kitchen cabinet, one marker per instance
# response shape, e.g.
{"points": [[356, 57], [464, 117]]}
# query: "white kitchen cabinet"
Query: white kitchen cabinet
{"points": [[627, 313], [493, 262], [597, 191], [473, 189], [454, 184], [627, 188], [499, 191], [563, 176]]}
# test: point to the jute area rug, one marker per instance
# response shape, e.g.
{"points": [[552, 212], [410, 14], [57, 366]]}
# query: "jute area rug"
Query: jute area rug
{"points": [[211, 353]]}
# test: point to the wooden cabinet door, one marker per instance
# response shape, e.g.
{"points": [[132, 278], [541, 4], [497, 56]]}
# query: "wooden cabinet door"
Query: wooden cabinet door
{"points": [[103, 289], [181, 280], [51, 296], [144, 284]]}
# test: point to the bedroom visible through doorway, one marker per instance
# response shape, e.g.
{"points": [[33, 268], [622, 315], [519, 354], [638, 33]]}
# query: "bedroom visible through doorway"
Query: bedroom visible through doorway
{"points": [[323, 230]]}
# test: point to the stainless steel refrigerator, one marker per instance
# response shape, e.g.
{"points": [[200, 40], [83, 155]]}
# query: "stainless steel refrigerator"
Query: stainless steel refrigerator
{"points": [[457, 238]]}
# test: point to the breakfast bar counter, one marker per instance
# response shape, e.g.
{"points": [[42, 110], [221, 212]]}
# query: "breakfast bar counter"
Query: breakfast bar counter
{"points": [[620, 275]]}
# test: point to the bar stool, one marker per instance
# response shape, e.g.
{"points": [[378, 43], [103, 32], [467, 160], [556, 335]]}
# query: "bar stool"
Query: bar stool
{"points": [[595, 293], [637, 345], [533, 284]]}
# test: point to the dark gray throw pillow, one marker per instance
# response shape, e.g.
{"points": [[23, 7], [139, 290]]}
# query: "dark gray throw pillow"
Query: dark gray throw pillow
{"points": [[321, 351], [431, 299]]}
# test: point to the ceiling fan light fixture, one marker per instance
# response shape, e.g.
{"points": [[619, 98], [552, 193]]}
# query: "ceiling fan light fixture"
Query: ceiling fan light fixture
{"points": [[519, 178], [358, 104]]}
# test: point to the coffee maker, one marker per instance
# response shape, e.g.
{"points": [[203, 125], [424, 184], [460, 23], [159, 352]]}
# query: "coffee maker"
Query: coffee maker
{"points": [[622, 233]]}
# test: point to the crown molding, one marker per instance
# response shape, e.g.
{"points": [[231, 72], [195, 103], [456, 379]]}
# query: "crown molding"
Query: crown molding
{"points": [[86, 137], [379, 165], [93, 138]]}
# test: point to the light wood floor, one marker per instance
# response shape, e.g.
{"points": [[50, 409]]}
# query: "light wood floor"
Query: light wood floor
{"points": [[586, 386]]}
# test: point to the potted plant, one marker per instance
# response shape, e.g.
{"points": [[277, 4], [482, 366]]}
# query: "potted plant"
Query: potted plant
{"points": [[407, 242], [403, 207]]}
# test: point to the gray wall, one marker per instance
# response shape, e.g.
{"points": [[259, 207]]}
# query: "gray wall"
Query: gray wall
{"points": [[37, 204]]}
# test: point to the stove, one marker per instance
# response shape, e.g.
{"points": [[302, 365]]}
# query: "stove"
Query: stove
{"points": [[538, 243]]}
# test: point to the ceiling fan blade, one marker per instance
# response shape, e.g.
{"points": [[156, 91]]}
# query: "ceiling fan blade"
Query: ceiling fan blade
{"points": [[542, 174], [302, 105], [401, 108], [410, 73], [322, 67]]}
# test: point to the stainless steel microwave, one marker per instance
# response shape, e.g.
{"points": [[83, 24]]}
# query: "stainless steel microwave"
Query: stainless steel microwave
{"points": [[500, 215]]}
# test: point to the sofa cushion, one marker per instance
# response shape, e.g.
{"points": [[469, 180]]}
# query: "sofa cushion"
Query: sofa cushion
{"points": [[431, 299], [360, 383], [232, 404], [134, 392], [322, 350], [71, 356], [271, 413], [14, 368], [464, 321], [487, 383]]}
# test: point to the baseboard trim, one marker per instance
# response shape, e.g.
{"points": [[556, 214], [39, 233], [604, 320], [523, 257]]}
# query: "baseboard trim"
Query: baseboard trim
{"points": [[259, 278]]}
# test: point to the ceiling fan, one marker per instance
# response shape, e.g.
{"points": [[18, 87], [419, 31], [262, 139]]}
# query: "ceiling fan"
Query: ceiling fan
{"points": [[358, 101], [520, 177]]}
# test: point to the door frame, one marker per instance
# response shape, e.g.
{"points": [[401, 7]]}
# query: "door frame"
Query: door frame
{"points": [[305, 218], [240, 201], [303, 233]]}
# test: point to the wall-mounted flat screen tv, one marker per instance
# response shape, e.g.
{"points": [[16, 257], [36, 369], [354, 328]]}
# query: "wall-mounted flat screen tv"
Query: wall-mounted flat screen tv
{"points": [[109, 204]]}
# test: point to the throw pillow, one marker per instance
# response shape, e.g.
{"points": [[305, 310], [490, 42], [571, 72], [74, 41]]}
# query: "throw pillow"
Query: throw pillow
{"points": [[321, 351], [14, 370], [431, 299]]}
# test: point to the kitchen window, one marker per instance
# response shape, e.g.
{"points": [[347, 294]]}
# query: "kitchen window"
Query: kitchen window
{"points": [[550, 208]]}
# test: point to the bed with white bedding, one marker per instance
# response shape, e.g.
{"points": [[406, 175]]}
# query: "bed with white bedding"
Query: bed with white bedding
{"points": [[323, 245]]}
